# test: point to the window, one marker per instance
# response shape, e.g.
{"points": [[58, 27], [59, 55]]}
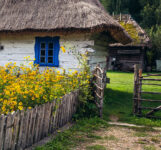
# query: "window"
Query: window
{"points": [[47, 51]]}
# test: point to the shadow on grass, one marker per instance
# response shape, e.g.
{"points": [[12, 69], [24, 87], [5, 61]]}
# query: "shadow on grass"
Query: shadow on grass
{"points": [[120, 104], [117, 103]]}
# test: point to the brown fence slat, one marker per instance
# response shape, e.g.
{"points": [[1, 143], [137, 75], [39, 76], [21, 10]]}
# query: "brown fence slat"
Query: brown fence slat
{"points": [[24, 128], [16, 128], [2, 130], [138, 105]]}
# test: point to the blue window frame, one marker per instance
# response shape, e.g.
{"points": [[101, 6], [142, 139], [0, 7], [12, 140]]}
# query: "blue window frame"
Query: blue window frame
{"points": [[47, 51]]}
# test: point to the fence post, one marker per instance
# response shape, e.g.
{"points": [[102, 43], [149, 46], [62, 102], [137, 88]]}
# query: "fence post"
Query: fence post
{"points": [[136, 89], [139, 91]]}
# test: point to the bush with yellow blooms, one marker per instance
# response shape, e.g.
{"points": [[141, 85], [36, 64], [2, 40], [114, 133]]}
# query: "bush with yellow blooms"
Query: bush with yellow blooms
{"points": [[23, 87]]}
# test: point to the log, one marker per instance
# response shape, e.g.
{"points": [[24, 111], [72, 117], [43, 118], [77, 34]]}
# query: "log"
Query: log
{"points": [[151, 84], [148, 79], [143, 92], [153, 111], [149, 100]]}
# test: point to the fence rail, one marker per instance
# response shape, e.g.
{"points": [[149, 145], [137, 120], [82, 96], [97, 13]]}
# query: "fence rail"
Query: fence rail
{"points": [[21, 129], [138, 94]]}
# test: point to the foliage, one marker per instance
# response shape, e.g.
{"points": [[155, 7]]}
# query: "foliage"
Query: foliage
{"points": [[74, 136], [25, 87], [155, 35], [95, 147], [87, 107], [149, 55]]}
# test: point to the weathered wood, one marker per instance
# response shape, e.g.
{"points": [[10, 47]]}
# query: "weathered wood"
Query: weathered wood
{"points": [[100, 84], [143, 92], [16, 128], [153, 111], [136, 83], [148, 79], [151, 84], [150, 108], [148, 75], [149, 100], [24, 128], [2, 130]]}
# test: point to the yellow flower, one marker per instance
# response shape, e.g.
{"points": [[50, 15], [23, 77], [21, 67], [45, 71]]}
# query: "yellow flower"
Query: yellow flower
{"points": [[63, 49], [20, 107]]}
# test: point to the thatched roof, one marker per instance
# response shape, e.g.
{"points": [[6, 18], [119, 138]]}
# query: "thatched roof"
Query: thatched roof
{"points": [[138, 34], [58, 15]]}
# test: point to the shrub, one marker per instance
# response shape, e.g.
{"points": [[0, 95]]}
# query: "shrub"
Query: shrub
{"points": [[25, 87]]}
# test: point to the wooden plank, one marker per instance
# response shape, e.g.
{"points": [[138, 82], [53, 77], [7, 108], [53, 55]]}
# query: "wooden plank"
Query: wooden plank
{"points": [[35, 125], [143, 92], [154, 110], [38, 119], [8, 135], [3, 119], [41, 125], [47, 118], [20, 137], [151, 84], [150, 108], [148, 75], [16, 128], [149, 100], [136, 83], [29, 133], [52, 117], [148, 79]]}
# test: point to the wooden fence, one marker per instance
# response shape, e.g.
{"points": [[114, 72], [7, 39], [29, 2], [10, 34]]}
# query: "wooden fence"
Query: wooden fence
{"points": [[21, 129], [99, 82], [138, 94]]}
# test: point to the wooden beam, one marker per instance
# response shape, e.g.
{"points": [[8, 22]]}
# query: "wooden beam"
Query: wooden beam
{"points": [[151, 84], [150, 100], [154, 110], [143, 92]]}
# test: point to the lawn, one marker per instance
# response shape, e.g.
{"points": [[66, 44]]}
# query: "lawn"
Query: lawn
{"points": [[118, 103], [95, 133]]}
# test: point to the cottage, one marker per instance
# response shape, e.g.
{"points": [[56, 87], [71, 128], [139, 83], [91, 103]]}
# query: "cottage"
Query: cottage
{"points": [[51, 32], [123, 57]]}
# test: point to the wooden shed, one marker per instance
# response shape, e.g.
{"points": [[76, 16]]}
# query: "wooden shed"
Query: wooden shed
{"points": [[123, 57], [39, 29]]}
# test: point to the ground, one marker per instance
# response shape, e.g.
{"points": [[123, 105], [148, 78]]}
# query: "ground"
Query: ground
{"points": [[124, 138], [97, 134]]}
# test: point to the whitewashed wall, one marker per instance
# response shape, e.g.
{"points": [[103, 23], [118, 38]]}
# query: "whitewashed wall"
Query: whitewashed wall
{"points": [[19, 45]]}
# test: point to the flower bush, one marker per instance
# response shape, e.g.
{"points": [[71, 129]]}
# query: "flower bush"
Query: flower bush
{"points": [[24, 87]]}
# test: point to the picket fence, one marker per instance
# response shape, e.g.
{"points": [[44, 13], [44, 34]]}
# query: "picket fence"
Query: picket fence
{"points": [[21, 129]]}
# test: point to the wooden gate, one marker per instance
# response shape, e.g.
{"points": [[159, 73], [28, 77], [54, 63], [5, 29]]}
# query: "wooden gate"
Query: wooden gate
{"points": [[147, 107], [99, 82]]}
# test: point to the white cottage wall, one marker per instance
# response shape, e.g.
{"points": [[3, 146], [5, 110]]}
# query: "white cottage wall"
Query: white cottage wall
{"points": [[19, 45]]}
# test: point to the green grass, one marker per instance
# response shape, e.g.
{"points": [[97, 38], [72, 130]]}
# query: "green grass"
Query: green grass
{"points": [[118, 99], [149, 147], [81, 132], [95, 147]]}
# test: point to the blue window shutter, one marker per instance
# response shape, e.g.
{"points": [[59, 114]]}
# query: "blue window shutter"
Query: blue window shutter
{"points": [[46, 40], [36, 51], [56, 50]]}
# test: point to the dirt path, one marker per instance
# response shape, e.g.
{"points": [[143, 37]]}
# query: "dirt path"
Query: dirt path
{"points": [[124, 138]]}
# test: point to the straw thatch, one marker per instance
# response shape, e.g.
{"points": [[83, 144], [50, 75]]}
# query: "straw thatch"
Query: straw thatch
{"points": [[58, 15], [140, 37]]}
